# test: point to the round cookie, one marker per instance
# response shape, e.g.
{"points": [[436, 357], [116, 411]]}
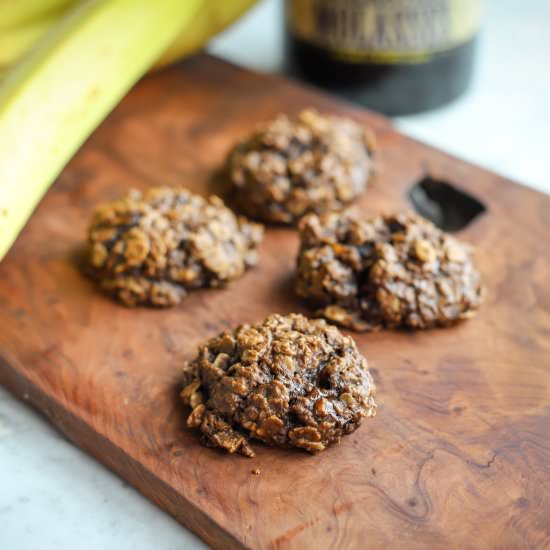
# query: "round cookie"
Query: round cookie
{"points": [[290, 167], [287, 381], [385, 272], [151, 248]]}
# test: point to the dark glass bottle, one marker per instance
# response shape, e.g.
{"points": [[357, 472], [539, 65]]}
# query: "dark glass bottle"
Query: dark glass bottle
{"points": [[394, 56]]}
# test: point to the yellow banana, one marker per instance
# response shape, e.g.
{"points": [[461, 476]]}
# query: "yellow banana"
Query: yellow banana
{"points": [[15, 42], [209, 21], [14, 13], [52, 100]]}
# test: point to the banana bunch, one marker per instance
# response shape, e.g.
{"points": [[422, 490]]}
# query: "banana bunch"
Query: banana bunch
{"points": [[64, 65]]}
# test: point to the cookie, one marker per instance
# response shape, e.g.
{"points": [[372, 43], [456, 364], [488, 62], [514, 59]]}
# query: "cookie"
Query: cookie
{"points": [[151, 248], [290, 167], [385, 272], [287, 381]]}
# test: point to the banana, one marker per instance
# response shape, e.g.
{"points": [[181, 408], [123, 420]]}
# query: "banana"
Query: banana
{"points": [[209, 21], [212, 18], [52, 100], [14, 43], [14, 13]]}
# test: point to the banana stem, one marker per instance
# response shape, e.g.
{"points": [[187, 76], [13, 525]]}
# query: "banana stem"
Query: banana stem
{"points": [[59, 93]]}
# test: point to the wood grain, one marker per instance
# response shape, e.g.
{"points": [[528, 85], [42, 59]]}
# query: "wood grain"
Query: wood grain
{"points": [[459, 454]]}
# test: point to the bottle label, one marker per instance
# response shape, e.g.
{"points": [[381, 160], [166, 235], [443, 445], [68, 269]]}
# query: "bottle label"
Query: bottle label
{"points": [[384, 31]]}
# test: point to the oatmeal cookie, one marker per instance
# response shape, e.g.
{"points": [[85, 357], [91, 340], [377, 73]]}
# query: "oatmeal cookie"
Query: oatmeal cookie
{"points": [[385, 272], [290, 167], [151, 248], [287, 381]]}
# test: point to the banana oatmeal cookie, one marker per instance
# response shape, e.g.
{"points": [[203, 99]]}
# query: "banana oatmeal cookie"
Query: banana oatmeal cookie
{"points": [[385, 272], [287, 381], [290, 167], [150, 248]]}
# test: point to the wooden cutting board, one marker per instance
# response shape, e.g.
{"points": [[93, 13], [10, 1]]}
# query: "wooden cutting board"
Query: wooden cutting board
{"points": [[459, 453]]}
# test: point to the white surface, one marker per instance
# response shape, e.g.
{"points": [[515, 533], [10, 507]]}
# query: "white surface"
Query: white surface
{"points": [[503, 122], [55, 497], [52, 496]]}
